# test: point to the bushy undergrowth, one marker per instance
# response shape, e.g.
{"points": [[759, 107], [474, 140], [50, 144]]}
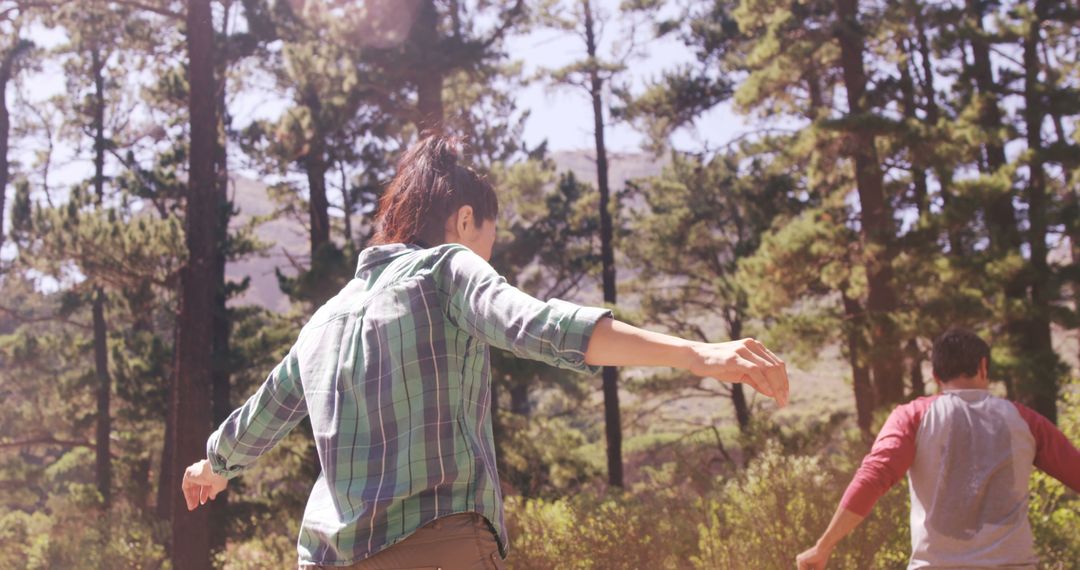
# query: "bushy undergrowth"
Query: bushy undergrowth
{"points": [[73, 531], [758, 517], [683, 509]]}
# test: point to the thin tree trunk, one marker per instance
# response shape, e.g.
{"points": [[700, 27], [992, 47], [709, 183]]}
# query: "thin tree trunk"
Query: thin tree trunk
{"points": [[99, 123], [877, 225], [103, 463], [1039, 385], [315, 167], [860, 375], [915, 360], [195, 338], [167, 484], [918, 166], [346, 202], [519, 397], [7, 66], [738, 395], [612, 421], [429, 76]]}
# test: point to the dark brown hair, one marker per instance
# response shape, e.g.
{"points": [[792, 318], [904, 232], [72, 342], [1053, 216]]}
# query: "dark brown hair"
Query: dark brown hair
{"points": [[429, 186], [958, 353]]}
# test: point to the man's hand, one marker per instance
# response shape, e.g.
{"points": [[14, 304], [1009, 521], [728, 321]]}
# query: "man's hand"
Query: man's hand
{"points": [[746, 361], [813, 559], [201, 483]]}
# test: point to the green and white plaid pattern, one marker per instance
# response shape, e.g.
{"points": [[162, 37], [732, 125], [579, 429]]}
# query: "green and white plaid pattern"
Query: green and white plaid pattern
{"points": [[394, 372]]}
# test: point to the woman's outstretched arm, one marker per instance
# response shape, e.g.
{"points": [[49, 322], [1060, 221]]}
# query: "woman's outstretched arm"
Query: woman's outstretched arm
{"points": [[481, 302], [615, 343]]}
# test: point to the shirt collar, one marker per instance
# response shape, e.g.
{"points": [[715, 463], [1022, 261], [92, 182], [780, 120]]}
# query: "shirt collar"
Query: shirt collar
{"points": [[380, 254]]}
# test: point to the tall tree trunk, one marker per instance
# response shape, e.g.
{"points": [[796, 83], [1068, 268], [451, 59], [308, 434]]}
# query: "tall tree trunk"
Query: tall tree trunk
{"points": [[918, 238], [860, 375], [1069, 211], [612, 421], [315, 167], [103, 464], [1001, 221], [221, 391], [920, 188], [877, 225], [429, 76], [195, 338], [1038, 379], [943, 170]]}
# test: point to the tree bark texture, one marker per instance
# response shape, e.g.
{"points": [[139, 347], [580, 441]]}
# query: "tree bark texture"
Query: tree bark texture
{"points": [[877, 225], [195, 335], [612, 420]]}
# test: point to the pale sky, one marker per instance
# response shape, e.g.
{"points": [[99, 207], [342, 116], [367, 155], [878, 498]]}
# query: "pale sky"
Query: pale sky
{"points": [[562, 115]]}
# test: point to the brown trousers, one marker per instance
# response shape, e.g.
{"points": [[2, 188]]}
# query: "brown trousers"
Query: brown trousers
{"points": [[457, 542]]}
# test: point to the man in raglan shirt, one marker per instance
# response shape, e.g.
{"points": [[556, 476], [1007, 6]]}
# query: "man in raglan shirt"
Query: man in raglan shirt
{"points": [[969, 456]]}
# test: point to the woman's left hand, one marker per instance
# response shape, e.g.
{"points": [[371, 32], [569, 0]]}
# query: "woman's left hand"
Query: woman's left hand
{"points": [[201, 483]]}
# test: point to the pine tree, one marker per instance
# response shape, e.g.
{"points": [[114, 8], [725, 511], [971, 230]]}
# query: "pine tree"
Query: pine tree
{"points": [[697, 221], [195, 336], [593, 74]]}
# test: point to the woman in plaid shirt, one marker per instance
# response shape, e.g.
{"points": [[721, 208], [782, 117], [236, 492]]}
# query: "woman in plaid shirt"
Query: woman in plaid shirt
{"points": [[394, 373]]}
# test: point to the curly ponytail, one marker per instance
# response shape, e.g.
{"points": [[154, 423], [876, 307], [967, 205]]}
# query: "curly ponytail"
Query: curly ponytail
{"points": [[429, 186]]}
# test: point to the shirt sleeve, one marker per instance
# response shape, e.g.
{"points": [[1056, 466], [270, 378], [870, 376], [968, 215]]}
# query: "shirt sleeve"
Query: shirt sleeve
{"points": [[888, 461], [1054, 453], [256, 427], [483, 304]]}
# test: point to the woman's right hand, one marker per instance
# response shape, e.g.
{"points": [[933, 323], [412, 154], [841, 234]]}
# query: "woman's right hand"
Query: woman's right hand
{"points": [[201, 484], [745, 360]]}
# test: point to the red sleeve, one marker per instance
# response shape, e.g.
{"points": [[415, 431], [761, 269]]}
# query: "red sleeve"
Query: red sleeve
{"points": [[889, 459], [1054, 453]]}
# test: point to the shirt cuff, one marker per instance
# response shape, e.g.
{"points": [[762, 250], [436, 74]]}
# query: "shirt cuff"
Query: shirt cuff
{"points": [[218, 463], [579, 326]]}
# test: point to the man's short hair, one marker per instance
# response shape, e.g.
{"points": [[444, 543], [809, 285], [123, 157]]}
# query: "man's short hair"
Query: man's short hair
{"points": [[957, 353]]}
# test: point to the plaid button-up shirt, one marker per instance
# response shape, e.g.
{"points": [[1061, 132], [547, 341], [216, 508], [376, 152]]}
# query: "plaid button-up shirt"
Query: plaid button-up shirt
{"points": [[394, 372]]}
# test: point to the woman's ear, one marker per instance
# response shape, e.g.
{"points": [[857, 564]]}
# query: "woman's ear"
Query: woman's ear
{"points": [[465, 220]]}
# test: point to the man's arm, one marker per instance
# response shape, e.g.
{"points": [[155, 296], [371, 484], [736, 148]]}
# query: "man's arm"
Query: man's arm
{"points": [[889, 459], [841, 525], [1054, 453]]}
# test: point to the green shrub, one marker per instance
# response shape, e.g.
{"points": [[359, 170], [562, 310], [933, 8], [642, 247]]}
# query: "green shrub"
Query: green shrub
{"points": [[1054, 510]]}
